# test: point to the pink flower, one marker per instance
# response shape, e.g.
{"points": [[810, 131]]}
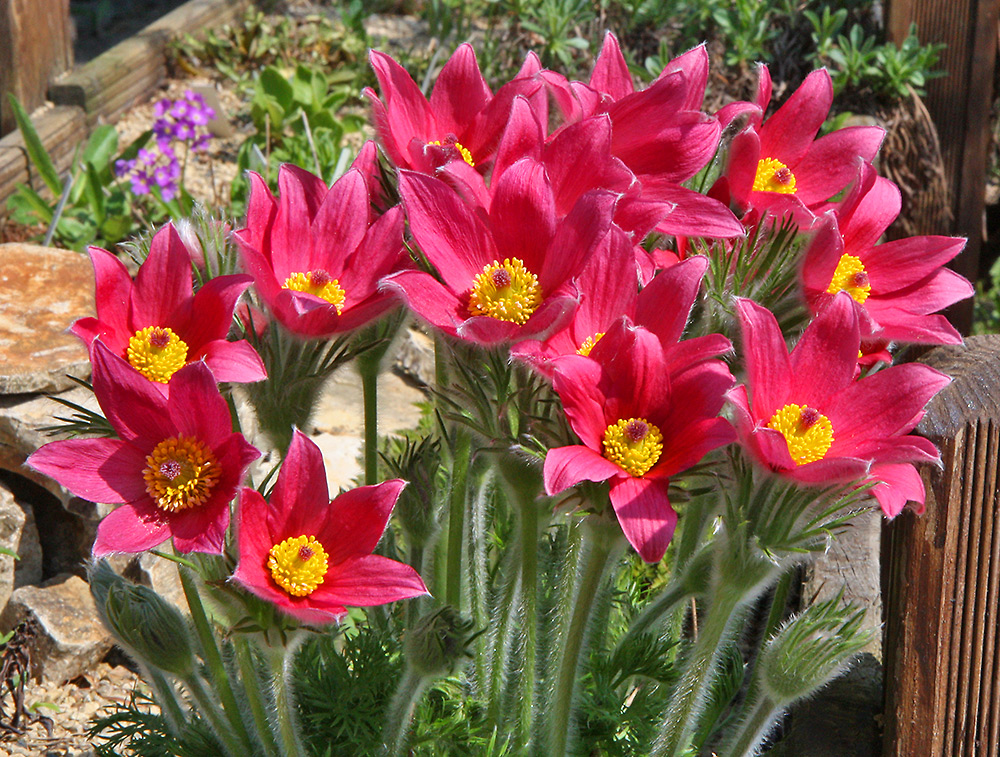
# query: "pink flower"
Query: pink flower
{"points": [[316, 254], [662, 136], [806, 418], [174, 469], [779, 166], [639, 423], [897, 285], [461, 122], [157, 325], [608, 290], [311, 557], [507, 273]]}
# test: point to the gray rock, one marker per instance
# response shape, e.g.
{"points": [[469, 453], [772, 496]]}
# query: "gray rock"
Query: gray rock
{"points": [[42, 291], [70, 639], [19, 534], [22, 418]]}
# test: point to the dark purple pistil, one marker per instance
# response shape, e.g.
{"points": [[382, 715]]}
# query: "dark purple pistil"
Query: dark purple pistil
{"points": [[501, 278], [159, 338], [636, 430], [170, 470], [808, 417]]}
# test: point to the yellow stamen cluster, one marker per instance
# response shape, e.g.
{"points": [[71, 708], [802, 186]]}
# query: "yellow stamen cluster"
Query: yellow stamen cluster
{"points": [[319, 284], [180, 473], [157, 353], [298, 565], [459, 148], [588, 344], [851, 277], [633, 444], [807, 432], [773, 176], [506, 291]]}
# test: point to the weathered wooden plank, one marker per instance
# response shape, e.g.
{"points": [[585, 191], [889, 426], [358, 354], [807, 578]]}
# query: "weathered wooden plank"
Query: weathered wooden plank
{"points": [[36, 44], [958, 103], [61, 129], [942, 623], [137, 64]]}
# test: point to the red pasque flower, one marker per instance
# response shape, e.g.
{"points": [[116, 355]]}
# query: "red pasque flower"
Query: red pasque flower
{"points": [[807, 418], [173, 471], [462, 120], [608, 290], [640, 422], [662, 136], [158, 325], [507, 273], [897, 285], [779, 166], [316, 254], [312, 557]]}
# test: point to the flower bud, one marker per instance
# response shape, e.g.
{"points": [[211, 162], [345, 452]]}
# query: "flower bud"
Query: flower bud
{"points": [[154, 630], [438, 641], [812, 649]]}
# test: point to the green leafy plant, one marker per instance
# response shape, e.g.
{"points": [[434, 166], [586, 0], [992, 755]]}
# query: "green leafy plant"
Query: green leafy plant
{"points": [[89, 204], [300, 119]]}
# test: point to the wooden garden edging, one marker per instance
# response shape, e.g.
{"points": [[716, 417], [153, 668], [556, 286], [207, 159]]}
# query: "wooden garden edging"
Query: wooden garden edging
{"points": [[959, 104], [102, 89], [942, 603]]}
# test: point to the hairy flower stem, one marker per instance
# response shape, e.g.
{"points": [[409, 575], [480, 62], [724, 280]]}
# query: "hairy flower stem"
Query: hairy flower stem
{"points": [[166, 697], [456, 518], [684, 585], [595, 557], [753, 729], [208, 709], [213, 659], [529, 598], [286, 722], [252, 686], [369, 371], [682, 716], [401, 708]]}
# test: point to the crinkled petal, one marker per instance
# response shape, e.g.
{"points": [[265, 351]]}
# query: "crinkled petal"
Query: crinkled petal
{"points": [[567, 466], [99, 470]]}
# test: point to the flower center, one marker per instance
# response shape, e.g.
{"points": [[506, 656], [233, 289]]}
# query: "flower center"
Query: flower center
{"points": [[774, 176], [807, 432], [851, 277], [298, 565], [320, 284], [456, 146], [634, 445], [180, 473], [157, 353], [588, 344], [506, 291]]}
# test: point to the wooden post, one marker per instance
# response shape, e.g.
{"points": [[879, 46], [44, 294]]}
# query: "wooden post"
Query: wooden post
{"points": [[959, 104], [942, 640], [36, 45]]}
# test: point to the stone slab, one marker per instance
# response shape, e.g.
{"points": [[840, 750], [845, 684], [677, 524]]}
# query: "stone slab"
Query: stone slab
{"points": [[42, 291], [70, 637]]}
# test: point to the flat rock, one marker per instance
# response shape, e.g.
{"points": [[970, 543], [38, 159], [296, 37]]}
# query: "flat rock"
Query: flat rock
{"points": [[69, 639], [18, 534], [22, 420], [341, 410], [42, 291]]}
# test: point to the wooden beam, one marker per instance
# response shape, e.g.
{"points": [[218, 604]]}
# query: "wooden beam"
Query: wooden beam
{"points": [[959, 103], [36, 45], [943, 574]]}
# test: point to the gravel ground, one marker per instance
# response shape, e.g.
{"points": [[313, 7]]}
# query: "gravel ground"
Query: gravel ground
{"points": [[69, 709]]}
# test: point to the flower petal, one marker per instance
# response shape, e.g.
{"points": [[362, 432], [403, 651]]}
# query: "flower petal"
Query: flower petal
{"points": [[645, 515], [370, 580], [99, 470], [566, 466]]}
